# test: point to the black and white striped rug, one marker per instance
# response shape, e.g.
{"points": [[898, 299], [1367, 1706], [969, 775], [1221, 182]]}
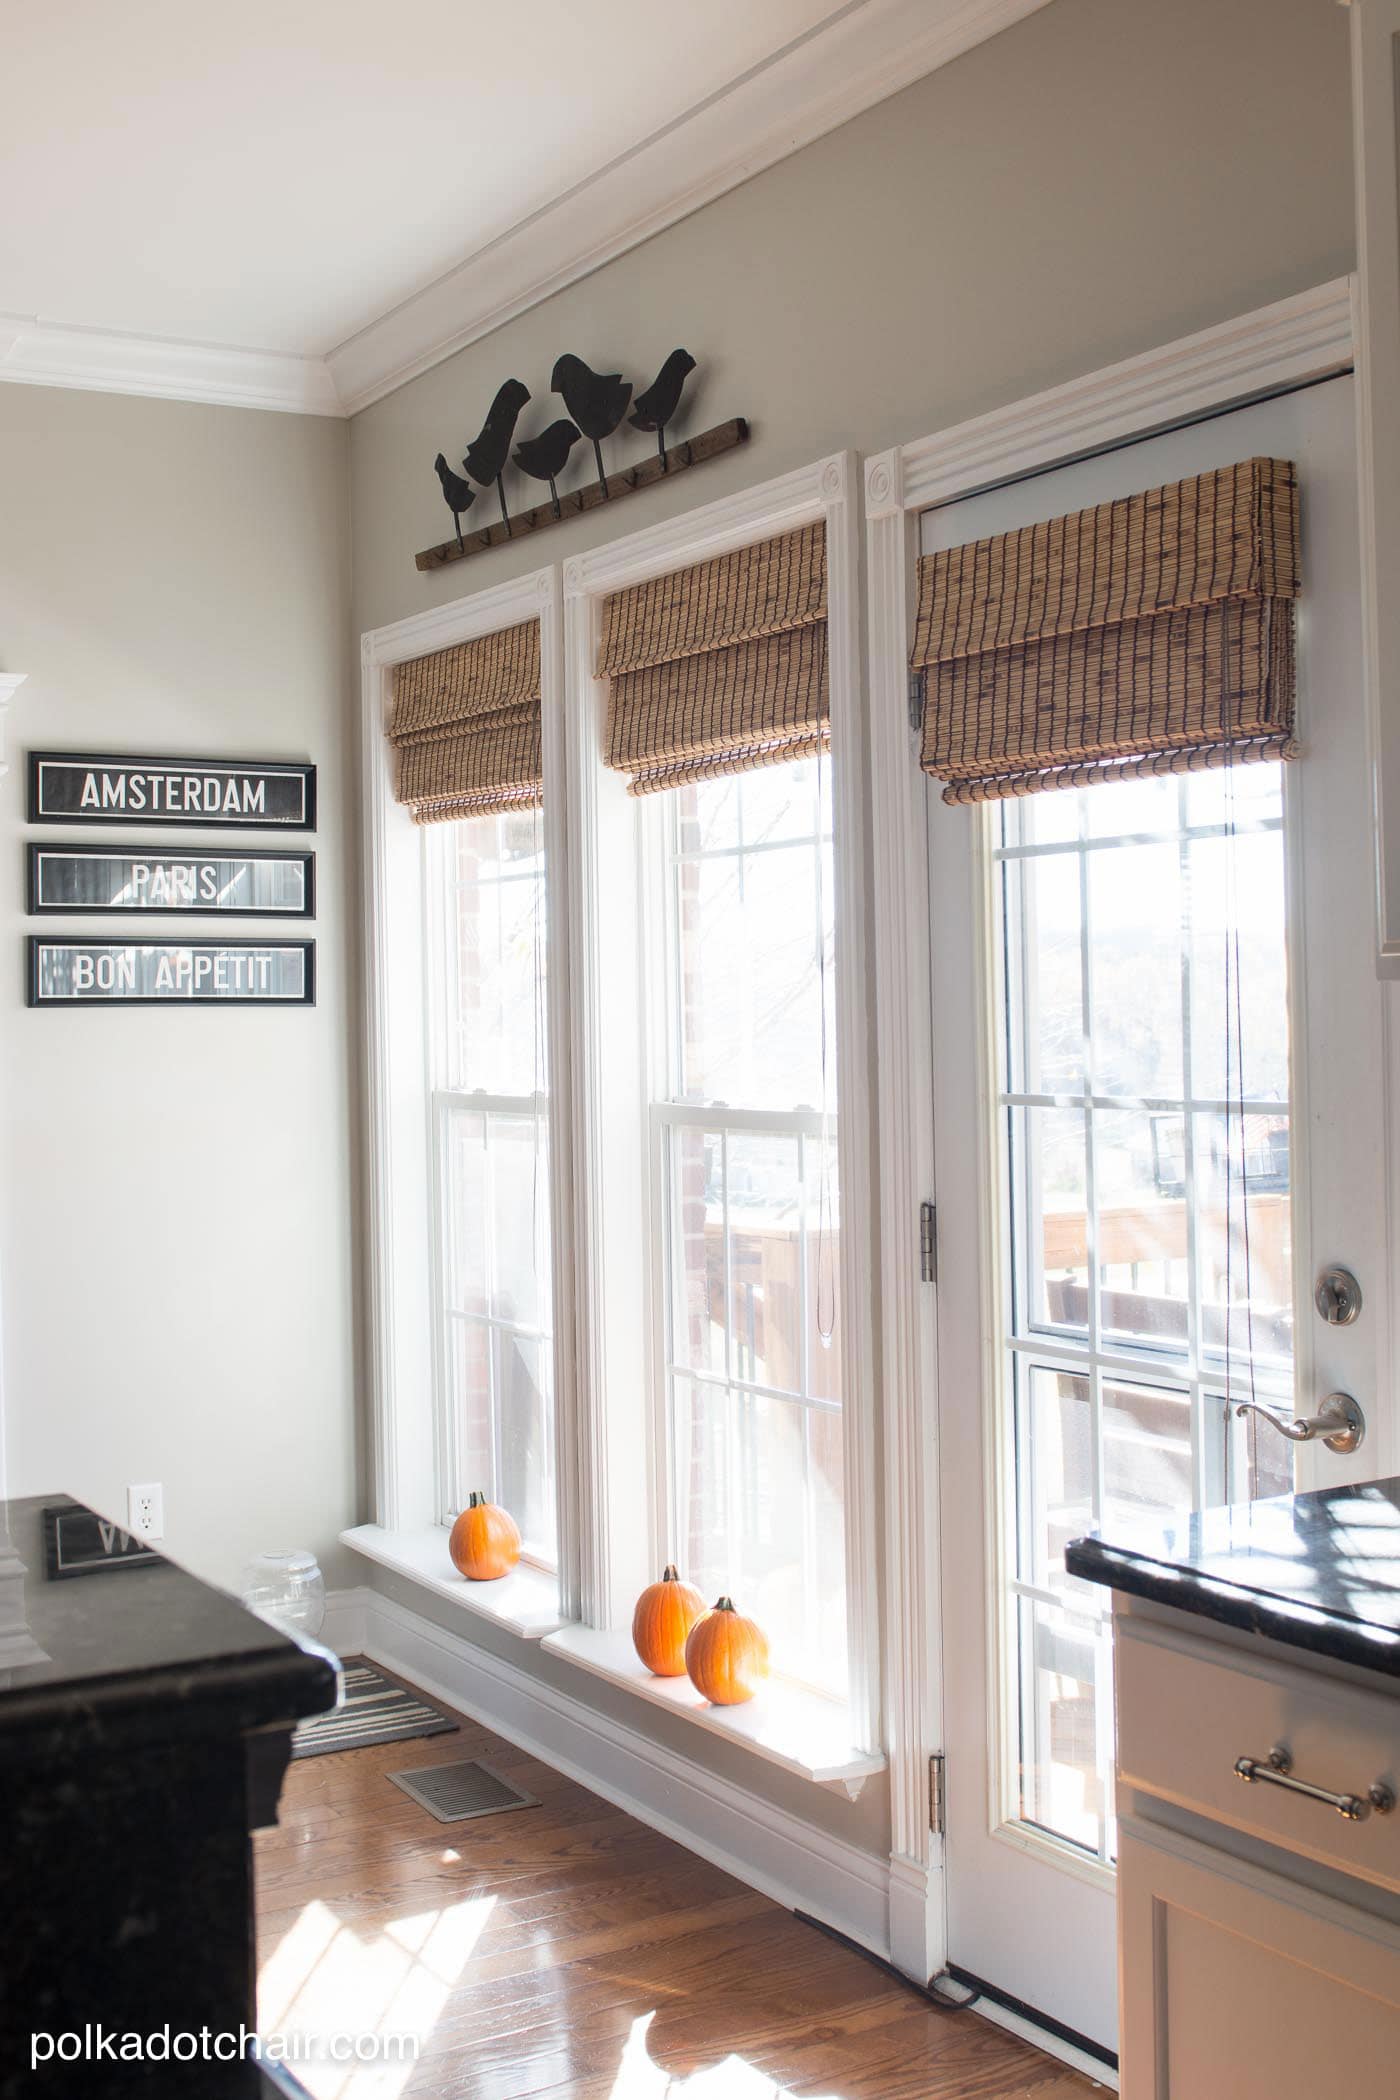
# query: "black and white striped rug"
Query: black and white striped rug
{"points": [[373, 1710]]}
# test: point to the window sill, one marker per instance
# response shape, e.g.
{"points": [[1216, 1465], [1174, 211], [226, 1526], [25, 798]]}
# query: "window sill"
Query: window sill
{"points": [[796, 1729], [525, 1602]]}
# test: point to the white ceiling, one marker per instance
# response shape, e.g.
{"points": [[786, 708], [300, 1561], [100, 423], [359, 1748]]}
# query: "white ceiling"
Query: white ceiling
{"points": [[303, 202]]}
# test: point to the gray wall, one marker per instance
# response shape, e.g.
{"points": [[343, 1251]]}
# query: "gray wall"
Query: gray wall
{"points": [[1106, 176], [1103, 177], [175, 1186]]}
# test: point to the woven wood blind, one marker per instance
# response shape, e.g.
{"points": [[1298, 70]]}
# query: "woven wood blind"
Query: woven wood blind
{"points": [[721, 667], [1146, 636], [466, 726]]}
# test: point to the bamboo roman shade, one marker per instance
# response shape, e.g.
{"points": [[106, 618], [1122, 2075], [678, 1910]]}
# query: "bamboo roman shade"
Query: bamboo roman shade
{"points": [[721, 667], [466, 726], [1145, 636]]}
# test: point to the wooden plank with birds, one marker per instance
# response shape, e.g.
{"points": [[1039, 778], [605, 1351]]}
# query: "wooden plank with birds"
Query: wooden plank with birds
{"points": [[692, 452]]}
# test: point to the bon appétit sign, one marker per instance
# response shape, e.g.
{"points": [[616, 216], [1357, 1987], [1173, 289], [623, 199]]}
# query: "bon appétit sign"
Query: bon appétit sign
{"points": [[182, 973], [77, 787]]}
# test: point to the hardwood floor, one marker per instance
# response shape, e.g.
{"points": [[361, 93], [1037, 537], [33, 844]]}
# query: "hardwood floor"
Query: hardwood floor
{"points": [[567, 1952]]}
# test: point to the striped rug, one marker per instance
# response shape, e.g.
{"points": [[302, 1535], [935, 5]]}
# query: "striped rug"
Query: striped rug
{"points": [[373, 1710]]}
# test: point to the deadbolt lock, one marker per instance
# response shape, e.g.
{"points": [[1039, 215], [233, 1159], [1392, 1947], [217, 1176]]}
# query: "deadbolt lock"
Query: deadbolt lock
{"points": [[1337, 1296]]}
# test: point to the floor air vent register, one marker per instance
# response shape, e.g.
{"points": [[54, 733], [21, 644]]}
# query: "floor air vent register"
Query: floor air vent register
{"points": [[455, 1793]]}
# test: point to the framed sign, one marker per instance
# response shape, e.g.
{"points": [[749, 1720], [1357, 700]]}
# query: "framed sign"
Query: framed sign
{"points": [[79, 1542], [161, 973], [78, 787], [115, 879]]}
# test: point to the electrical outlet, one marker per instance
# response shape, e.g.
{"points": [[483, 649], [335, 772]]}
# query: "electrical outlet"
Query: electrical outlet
{"points": [[145, 1510]]}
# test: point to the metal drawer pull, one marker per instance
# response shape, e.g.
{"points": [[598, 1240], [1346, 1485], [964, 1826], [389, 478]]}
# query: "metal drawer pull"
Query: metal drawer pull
{"points": [[1279, 1772]]}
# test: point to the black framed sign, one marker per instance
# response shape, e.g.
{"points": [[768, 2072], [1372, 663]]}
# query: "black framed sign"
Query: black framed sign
{"points": [[79, 1542], [178, 973], [81, 787], [118, 879]]}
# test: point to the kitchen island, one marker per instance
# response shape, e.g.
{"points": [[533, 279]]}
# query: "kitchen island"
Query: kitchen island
{"points": [[145, 1723], [1257, 1683]]}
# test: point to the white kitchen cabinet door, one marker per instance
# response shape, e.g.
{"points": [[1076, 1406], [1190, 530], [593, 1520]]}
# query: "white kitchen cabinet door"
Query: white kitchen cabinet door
{"points": [[1238, 1985]]}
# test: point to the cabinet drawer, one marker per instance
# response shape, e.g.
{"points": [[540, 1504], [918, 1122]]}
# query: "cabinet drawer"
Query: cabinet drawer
{"points": [[1187, 1711]]}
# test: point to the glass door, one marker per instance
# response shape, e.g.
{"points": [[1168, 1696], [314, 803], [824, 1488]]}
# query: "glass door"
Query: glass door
{"points": [[1160, 996]]}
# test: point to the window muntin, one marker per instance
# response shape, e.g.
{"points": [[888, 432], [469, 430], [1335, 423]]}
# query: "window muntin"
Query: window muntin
{"points": [[1126, 1319], [744, 1140], [486, 877]]}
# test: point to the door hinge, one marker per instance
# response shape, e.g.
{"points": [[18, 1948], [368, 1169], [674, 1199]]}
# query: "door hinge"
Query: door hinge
{"points": [[928, 1243], [937, 1798], [916, 700]]}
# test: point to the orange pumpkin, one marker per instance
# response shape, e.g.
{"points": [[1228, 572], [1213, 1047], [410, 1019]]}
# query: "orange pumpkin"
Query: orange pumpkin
{"points": [[662, 1621], [485, 1541], [726, 1656]]}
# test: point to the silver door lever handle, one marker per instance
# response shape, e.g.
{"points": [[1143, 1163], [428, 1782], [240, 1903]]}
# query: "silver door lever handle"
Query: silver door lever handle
{"points": [[1339, 1422]]}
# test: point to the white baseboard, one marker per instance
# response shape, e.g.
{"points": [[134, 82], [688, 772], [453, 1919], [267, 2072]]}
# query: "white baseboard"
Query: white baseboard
{"points": [[798, 1865], [343, 1628], [917, 1943]]}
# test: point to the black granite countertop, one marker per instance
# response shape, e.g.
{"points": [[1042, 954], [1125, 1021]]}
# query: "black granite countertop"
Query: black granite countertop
{"points": [[140, 1653], [1319, 1571]]}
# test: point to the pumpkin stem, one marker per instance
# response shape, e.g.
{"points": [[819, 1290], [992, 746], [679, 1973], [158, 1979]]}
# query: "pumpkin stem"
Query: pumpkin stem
{"points": [[725, 1604], [668, 1573], [475, 1499]]}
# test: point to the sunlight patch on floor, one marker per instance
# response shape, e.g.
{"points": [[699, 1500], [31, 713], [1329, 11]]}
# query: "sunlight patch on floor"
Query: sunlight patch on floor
{"points": [[638, 2078], [323, 1980]]}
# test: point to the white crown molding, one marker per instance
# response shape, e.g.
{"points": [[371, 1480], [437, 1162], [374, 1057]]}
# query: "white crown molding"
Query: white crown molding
{"points": [[10, 683], [1307, 337], [37, 353], [863, 53]]}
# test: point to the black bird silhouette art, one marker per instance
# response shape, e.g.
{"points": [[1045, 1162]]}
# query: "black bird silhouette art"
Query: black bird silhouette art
{"points": [[459, 494], [489, 449], [597, 401], [545, 455], [654, 409]]}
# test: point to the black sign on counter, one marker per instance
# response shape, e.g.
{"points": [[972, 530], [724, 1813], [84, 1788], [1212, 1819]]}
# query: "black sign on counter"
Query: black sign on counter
{"points": [[115, 879], [180, 973], [79, 1542], [77, 787]]}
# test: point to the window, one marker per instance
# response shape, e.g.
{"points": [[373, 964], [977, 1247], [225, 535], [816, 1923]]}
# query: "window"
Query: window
{"points": [[489, 1086], [744, 1160], [606, 1275], [1144, 1095]]}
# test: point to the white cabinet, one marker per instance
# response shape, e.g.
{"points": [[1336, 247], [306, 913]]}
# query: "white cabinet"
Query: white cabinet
{"points": [[1259, 1927], [1240, 1984]]}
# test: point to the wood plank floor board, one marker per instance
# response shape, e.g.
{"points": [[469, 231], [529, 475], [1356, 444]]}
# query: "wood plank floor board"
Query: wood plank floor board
{"points": [[595, 1904], [568, 1952]]}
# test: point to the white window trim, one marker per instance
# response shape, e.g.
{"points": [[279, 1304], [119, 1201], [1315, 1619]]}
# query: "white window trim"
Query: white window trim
{"points": [[826, 491], [1287, 344], [400, 1153]]}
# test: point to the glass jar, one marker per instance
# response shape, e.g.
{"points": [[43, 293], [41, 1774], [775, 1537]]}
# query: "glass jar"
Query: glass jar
{"points": [[287, 1589]]}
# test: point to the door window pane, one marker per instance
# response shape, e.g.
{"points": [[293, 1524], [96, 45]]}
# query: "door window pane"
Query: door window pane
{"points": [[1148, 1195]]}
